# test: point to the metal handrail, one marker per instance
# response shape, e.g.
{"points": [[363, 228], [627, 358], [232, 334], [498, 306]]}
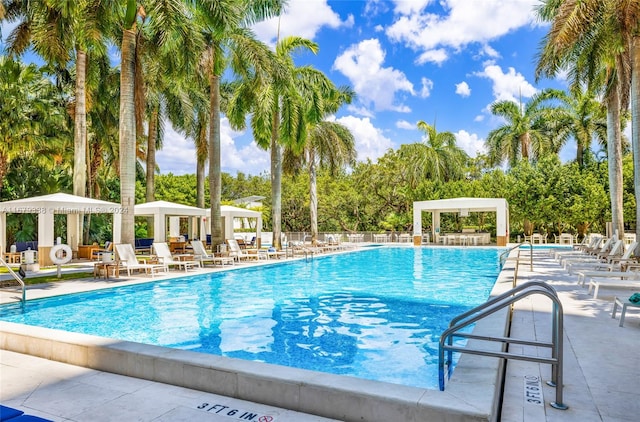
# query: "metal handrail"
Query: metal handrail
{"points": [[494, 305], [17, 278]]}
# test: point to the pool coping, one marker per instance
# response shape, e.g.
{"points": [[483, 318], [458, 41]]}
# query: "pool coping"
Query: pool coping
{"points": [[472, 394]]}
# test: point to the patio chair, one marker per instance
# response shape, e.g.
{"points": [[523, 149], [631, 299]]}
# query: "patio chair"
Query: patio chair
{"points": [[163, 253], [604, 257], [98, 253], [201, 254], [128, 260], [237, 253]]}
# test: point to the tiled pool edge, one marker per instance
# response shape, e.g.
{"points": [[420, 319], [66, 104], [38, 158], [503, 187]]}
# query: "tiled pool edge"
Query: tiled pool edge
{"points": [[472, 394]]}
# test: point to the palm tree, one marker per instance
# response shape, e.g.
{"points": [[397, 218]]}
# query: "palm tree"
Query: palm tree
{"points": [[280, 112], [224, 24], [581, 117], [437, 157], [524, 135], [329, 145], [32, 118], [593, 39], [57, 30], [168, 18]]}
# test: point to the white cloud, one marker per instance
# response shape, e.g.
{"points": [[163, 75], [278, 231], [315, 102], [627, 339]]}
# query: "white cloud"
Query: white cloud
{"points": [[403, 124], [408, 7], [370, 142], [478, 118], [510, 86], [297, 20], [462, 89], [178, 155], [470, 143], [374, 84], [459, 26], [437, 56], [427, 86]]}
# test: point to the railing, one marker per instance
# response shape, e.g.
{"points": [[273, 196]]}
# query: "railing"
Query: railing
{"points": [[17, 278], [499, 302], [504, 255]]}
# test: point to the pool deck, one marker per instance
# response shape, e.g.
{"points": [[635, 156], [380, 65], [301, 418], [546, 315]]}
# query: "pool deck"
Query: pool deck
{"points": [[601, 367]]}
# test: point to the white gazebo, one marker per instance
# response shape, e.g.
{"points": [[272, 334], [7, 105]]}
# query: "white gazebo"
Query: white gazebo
{"points": [[463, 206], [229, 214], [46, 207], [161, 210]]}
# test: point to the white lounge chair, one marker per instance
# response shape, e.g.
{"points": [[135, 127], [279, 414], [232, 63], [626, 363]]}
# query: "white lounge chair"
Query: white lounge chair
{"points": [[163, 253], [594, 285], [200, 254], [237, 253], [602, 255], [612, 263], [127, 258]]}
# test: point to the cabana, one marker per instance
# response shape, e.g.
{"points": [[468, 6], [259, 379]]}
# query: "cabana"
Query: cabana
{"points": [[160, 210], [46, 207], [463, 206], [229, 214]]}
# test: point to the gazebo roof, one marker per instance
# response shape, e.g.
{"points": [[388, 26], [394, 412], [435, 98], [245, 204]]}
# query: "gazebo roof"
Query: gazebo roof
{"points": [[58, 203], [456, 204], [168, 208]]}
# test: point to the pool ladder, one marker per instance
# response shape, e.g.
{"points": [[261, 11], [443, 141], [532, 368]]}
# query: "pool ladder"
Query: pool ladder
{"points": [[17, 278], [495, 304]]}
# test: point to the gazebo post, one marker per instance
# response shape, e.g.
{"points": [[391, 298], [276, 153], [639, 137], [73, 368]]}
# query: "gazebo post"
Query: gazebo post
{"points": [[3, 232], [45, 237]]}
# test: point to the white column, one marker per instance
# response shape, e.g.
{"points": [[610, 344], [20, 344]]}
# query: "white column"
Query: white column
{"points": [[159, 228], [74, 232], [117, 228], [45, 229], [3, 232]]}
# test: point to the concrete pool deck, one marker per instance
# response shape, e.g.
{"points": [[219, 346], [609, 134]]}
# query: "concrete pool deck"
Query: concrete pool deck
{"points": [[601, 368]]}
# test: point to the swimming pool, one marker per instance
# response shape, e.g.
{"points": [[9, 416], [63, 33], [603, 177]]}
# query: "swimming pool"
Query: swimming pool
{"points": [[343, 314]]}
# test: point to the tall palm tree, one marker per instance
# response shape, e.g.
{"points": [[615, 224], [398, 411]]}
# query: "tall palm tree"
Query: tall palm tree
{"points": [[523, 136], [280, 112], [593, 40], [228, 41], [437, 157], [329, 145], [61, 31], [167, 18]]}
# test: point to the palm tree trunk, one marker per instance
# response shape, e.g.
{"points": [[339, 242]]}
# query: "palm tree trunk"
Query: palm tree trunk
{"points": [[215, 172], [80, 127], [276, 182], [201, 156], [150, 191], [635, 124], [524, 146], [614, 152], [127, 135], [313, 196]]}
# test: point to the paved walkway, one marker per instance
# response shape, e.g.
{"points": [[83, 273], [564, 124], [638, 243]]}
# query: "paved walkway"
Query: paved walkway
{"points": [[601, 360], [601, 369]]}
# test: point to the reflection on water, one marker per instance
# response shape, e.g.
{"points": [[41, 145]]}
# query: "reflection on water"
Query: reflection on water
{"points": [[376, 314]]}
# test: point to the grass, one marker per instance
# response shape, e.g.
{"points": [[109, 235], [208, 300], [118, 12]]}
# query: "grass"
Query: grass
{"points": [[52, 278]]}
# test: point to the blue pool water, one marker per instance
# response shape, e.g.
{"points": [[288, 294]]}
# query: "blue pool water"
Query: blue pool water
{"points": [[375, 313]]}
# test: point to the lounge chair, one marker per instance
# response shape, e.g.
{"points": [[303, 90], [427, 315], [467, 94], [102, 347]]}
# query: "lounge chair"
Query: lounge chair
{"points": [[237, 253], [594, 285], [201, 254], [128, 260], [583, 276], [98, 253], [271, 253], [163, 253], [604, 250], [602, 258]]}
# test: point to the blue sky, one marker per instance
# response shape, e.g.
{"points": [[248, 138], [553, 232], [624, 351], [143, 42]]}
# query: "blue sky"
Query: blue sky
{"points": [[441, 61]]}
